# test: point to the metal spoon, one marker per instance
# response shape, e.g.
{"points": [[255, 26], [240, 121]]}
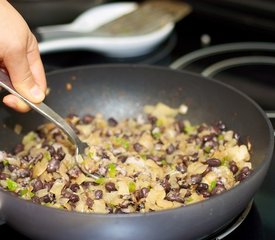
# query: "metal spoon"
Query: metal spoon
{"points": [[51, 115]]}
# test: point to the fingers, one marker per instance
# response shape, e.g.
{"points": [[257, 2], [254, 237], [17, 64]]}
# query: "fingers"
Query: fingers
{"points": [[15, 103], [27, 74], [19, 55], [21, 75], [36, 64]]}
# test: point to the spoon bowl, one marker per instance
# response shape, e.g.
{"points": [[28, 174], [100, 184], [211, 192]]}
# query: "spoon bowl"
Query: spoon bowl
{"points": [[51, 115]]}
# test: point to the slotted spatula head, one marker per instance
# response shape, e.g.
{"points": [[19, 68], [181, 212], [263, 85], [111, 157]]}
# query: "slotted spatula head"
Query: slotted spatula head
{"points": [[148, 17]]}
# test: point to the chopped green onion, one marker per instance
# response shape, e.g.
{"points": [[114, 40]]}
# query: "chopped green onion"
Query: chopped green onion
{"points": [[189, 200], [30, 137], [100, 180], [143, 156], [163, 162], [212, 185], [159, 123], [132, 187], [207, 149], [188, 128], [23, 192], [122, 142], [91, 154], [112, 170], [26, 193], [225, 161], [47, 155], [221, 137], [6, 162], [156, 135], [12, 185]]}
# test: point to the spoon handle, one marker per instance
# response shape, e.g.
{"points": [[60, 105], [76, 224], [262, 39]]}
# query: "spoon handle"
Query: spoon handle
{"points": [[44, 110]]}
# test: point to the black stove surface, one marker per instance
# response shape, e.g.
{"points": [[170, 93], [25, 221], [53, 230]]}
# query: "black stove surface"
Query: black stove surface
{"points": [[196, 32]]}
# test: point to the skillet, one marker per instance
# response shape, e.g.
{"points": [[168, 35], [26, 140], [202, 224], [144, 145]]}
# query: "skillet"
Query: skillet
{"points": [[121, 91]]}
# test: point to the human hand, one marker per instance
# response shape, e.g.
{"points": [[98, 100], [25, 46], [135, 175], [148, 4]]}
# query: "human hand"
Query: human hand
{"points": [[19, 56]]}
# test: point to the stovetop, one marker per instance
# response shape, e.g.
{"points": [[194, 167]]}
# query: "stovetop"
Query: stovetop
{"points": [[197, 45]]}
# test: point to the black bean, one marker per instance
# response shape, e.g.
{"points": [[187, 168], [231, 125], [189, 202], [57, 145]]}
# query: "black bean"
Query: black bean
{"points": [[18, 148], [57, 134], [66, 194], [74, 172], [90, 202], [119, 211], [112, 122], [138, 147], [184, 159], [48, 198], [3, 176], [74, 187], [88, 118], [122, 158], [110, 187], [195, 179], [206, 171], [213, 162], [202, 128], [23, 173], [125, 204], [37, 185], [41, 134], [36, 200], [206, 194], [236, 136], [144, 191], [218, 190], [72, 115], [183, 184], [220, 125], [12, 167], [166, 185], [48, 185], [73, 198], [180, 126], [49, 148], [188, 194], [181, 167], [59, 154], [194, 157], [154, 158], [170, 149], [233, 167], [87, 184], [73, 127], [2, 166], [105, 155], [152, 119], [98, 194], [244, 173], [174, 196], [38, 157], [208, 138], [202, 187], [53, 165], [138, 195]]}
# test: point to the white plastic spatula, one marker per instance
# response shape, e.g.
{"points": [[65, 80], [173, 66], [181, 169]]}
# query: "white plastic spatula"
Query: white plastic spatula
{"points": [[101, 29], [88, 21]]}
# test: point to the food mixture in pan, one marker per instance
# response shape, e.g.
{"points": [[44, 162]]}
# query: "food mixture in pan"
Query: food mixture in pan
{"points": [[149, 163]]}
